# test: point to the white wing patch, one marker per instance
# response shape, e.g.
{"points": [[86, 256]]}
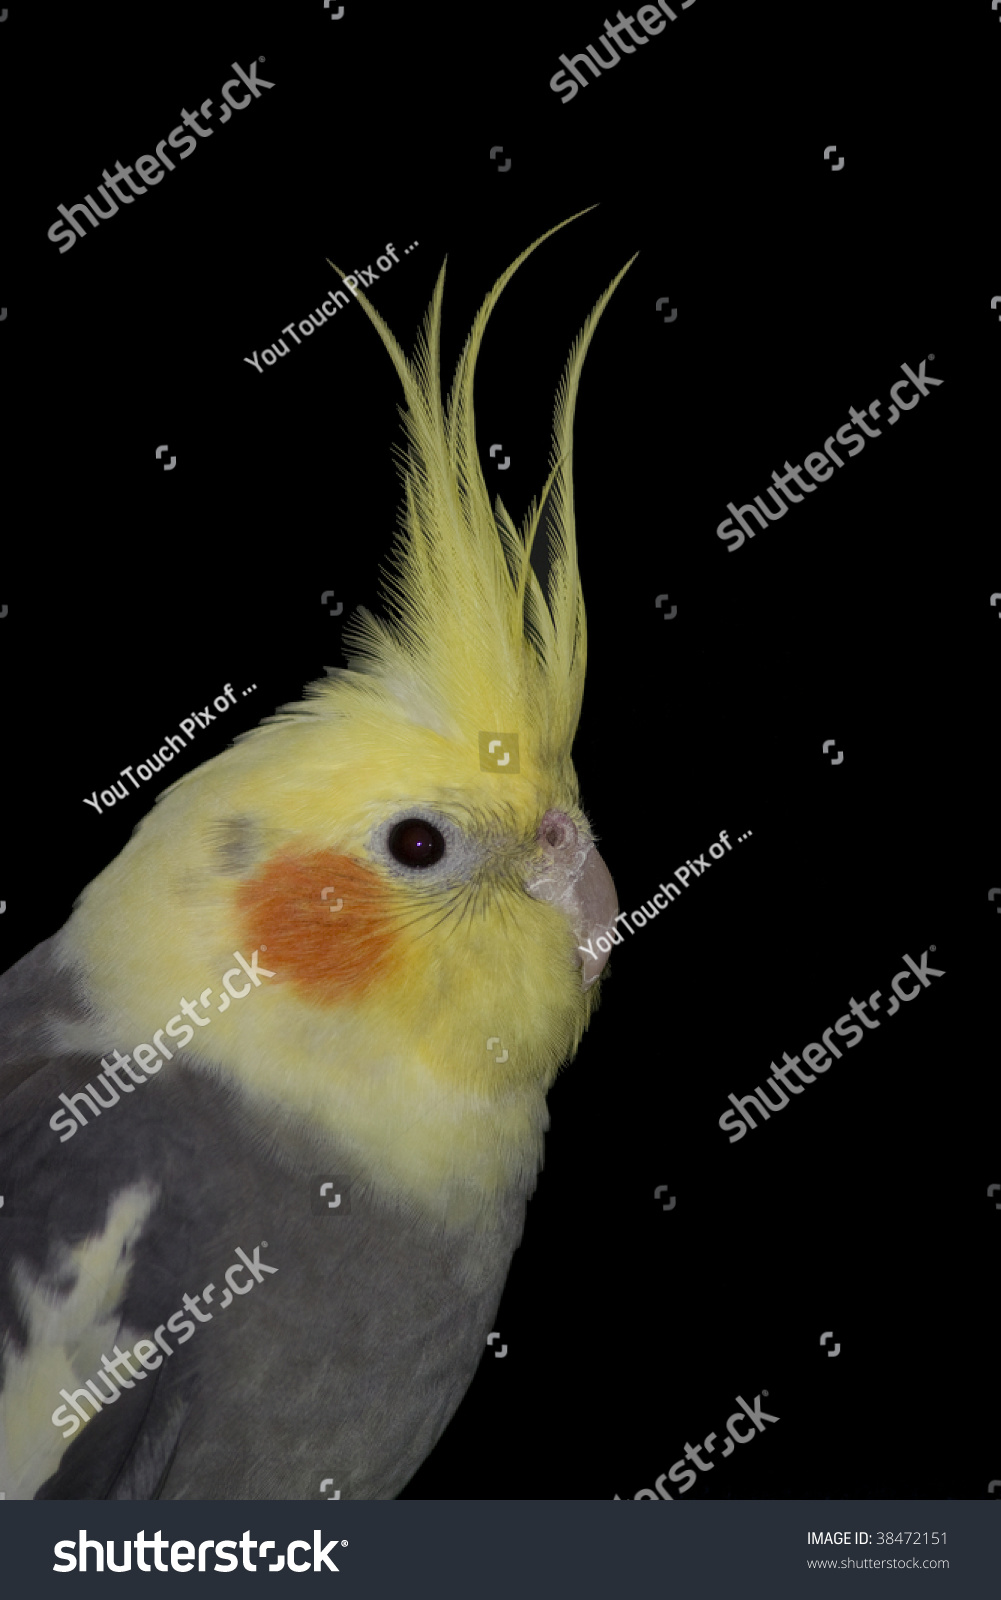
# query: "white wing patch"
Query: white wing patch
{"points": [[70, 1312]]}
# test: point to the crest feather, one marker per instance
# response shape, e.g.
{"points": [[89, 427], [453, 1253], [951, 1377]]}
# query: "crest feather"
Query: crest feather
{"points": [[468, 617]]}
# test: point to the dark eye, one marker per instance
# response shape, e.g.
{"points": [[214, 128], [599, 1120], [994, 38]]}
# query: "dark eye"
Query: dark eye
{"points": [[415, 843]]}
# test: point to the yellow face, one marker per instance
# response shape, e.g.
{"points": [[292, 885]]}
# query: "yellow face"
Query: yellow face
{"points": [[412, 905], [427, 924]]}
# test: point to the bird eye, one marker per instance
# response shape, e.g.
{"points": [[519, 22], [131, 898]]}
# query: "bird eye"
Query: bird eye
{"points": [[415, 843]]}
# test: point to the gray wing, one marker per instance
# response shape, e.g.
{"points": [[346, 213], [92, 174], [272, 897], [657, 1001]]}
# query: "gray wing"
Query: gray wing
{"points": [[77, 1219]]}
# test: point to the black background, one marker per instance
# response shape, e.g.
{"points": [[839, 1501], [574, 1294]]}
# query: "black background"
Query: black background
{"points": [[135, 593]]}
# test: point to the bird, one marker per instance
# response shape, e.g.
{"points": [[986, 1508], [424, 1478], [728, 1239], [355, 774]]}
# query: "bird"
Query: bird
{"points": [[274, 1096]]}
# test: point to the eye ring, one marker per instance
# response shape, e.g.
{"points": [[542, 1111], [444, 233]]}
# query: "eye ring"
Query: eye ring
{"points": [[416, 843]]}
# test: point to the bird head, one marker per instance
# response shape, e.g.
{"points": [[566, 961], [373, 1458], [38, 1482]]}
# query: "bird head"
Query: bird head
{"points": [[405, 848]]}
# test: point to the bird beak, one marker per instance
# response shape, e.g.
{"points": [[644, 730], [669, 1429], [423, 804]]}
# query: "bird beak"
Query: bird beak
{"points": [[576, 879]]}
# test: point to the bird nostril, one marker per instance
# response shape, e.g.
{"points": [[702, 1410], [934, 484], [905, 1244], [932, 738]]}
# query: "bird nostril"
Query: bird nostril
{"points": [[557, 830]]}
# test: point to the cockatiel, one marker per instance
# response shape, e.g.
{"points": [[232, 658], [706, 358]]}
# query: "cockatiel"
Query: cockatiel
{"points": [[296, 1038]]}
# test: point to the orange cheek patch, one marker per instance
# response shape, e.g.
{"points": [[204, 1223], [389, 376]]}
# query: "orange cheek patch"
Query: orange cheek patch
{"points": [[329, 954]]}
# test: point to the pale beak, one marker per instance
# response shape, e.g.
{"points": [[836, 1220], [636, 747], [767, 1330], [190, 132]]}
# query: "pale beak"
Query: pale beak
{"points": [[575, 878]]}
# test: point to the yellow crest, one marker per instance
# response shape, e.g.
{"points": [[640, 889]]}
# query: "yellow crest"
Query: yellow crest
{"points": [[469, 620]]}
